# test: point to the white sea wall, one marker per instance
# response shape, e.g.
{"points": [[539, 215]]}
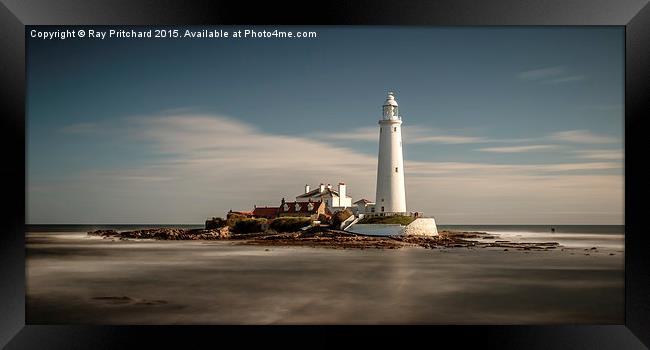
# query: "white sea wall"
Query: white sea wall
{"points": [[421, 227]]}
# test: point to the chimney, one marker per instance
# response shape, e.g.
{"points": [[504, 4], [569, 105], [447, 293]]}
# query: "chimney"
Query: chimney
{"points": [[321, 188], [306, 188], [329, 187], [342, 190]]}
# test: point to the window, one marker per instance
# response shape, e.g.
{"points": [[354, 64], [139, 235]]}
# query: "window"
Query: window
{"points": [[394, 128], [382, 209], [380, 130], [395, 169]]}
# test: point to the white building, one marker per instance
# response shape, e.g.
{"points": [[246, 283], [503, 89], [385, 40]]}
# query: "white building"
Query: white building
{"points": [[334, 200], [363, 206], [391, 194]]}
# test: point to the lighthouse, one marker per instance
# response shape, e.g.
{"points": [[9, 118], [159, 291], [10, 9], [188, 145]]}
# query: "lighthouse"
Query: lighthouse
{"points": [[391, 194]]}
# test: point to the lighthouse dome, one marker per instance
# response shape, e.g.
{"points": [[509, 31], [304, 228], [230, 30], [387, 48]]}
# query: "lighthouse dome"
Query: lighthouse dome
{"points": [[390, 100]]}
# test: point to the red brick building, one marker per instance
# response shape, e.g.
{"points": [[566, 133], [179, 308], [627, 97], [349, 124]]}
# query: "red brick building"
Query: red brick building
{"points": [[265, 212], [302, 209]]}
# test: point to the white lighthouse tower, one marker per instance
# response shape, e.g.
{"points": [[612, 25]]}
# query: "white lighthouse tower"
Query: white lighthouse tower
{"points": [[391, 194]]}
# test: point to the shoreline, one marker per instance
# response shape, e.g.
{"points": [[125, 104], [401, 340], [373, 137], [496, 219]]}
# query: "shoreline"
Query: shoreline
{"points": [[330, 238]]}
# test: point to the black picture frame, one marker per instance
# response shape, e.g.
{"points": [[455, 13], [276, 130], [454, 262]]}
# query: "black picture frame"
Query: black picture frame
{"points": [[16, 14]]}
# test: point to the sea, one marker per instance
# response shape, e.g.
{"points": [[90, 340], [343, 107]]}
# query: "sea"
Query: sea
{"points": [[73, 278]]}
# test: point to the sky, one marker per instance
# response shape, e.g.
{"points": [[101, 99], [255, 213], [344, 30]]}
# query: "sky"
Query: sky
{"points": [[501, 125]]}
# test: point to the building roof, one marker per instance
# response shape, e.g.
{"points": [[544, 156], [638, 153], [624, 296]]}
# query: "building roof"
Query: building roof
{"points": [[241, 212], [362, 200], [310, 193], [300, 207], [317, 193], [265, 211]]}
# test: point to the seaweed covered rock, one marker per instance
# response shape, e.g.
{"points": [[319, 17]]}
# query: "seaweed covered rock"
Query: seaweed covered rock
{"points": [[215, 223], [340, 216], [289, 224], [249, 226]]}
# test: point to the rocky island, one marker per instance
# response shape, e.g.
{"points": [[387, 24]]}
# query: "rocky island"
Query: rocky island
{"points": [[326, 237]]}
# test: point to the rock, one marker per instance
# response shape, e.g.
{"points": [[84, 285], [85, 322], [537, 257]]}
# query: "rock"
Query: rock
{"points": [[421, 227], [103, 233]]}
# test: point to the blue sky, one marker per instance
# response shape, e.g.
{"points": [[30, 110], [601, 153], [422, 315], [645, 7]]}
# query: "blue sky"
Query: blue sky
{"points": [[501, 124]]}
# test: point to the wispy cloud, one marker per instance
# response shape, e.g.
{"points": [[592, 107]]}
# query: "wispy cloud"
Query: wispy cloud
{"points": [[565, 79], [144, 178], [358, 134], [413, 134], [542, 73], [487, 169], [516, 149], [550, 75], [204, 165], [605, 154], [447, 139], [581, 136]]}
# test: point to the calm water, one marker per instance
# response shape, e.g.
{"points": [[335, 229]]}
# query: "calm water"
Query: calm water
{"points": [[93, 227], [573, 236], [76, 279]]}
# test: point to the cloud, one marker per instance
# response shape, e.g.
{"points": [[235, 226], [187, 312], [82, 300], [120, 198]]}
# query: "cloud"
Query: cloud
{"points": [[542, 73], [358, 134], [447, 139], [202, 165], [516, 149], [486, 169], [145, 178], [565, 79], [606, 154], [550, 75], [581, 136], [413, 134]]}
